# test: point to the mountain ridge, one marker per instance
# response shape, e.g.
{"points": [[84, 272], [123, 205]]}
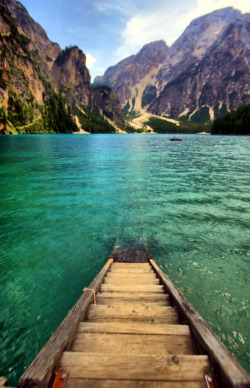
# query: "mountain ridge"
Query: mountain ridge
{"points": [[204, 74], [44, 88]]}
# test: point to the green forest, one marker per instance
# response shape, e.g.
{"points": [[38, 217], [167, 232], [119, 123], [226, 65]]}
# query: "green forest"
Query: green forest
{"points": [[163, 126], [236, 122]]}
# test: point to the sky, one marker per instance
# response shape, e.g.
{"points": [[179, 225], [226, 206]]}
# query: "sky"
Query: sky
{"points": [[108, 31]]}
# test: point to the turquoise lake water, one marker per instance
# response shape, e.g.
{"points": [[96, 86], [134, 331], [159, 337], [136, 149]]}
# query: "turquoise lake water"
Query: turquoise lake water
{"points": [[66, 200]]}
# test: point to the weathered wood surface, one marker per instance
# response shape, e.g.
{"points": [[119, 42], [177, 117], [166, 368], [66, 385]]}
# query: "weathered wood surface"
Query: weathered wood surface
{"points": [[132, 265], [133, 328], [3, 382], [119, 270], [141, 313], [133, 344], [134, 302], [139, 296], [233, 375], [40, 371], [118, 281], [122, 367], [158, 289], [88, 383], [138, 275], [132, 337]]}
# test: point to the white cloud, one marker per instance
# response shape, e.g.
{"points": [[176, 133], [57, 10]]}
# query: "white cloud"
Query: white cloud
{"points": [[163, 21], [90, 60], [108, 7]]}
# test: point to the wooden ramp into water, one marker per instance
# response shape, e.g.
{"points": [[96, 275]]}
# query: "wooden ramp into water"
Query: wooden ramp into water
{"points": [[132, 328]]}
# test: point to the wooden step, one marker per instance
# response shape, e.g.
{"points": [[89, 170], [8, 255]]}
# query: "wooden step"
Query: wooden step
{"points": [[139, 275], [123, 367], [141, 313], [130, 265], [133, 344], [124, 327], [133, 266], [139, 296], [131, 270], [158, 289], [132, 302], [88, 383], [120, 281]]}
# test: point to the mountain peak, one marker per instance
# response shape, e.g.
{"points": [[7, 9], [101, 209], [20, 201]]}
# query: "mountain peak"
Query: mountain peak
{"points": [[207, 64]]}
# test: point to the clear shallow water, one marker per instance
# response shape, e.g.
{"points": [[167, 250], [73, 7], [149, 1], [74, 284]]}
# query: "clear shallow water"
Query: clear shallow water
{"points": [[65, 200]]}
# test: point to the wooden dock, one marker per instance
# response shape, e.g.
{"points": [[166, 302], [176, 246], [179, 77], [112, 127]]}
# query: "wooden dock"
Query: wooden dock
{"points": [[133, 328]]}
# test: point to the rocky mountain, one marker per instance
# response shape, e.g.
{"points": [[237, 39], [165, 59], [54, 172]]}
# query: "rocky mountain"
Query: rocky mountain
{"points": [[69, 73], [131, 76], [204, 74], [106, 101], [42, 87]]}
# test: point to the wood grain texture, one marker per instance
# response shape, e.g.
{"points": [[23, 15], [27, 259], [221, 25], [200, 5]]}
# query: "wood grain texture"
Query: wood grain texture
{"points": [[147, 270], [138, 296], [133, 344], [139, 275], [134, 302], [133, 328], [131, 265], [132, 288], [40, 371], [123, 367], [126, 281], [103, 312], [232, 374], [87, 383]]}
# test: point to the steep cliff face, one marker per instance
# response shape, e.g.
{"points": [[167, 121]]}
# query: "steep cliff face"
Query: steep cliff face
{"points": [[69, 73], [106, 101], [43, 88], [207, 70], [21, 86], [37, 40], [130, 77]]}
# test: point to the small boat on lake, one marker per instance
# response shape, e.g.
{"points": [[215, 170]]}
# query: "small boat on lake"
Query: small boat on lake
{"points": [[175, 139], [133, 328]]}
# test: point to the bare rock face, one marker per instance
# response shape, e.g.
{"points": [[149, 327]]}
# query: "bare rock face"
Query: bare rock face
{"points": [[17, 73], [204, 74], [107, 103], [207, 69], [69, 73], [37, 41], [130, 77], [36, 75]]}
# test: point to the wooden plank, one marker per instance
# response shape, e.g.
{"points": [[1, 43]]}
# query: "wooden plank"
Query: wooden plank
{"points": [[140, 296], [130, 281], [123, 367], [133, 328], [87, 383], [158, 289], [102, 312], [139, 275], [132, 266], [133, 344], [131, 270], [232, 374], [131, 302], [3, 382], [127, 265], [39, 372]]}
